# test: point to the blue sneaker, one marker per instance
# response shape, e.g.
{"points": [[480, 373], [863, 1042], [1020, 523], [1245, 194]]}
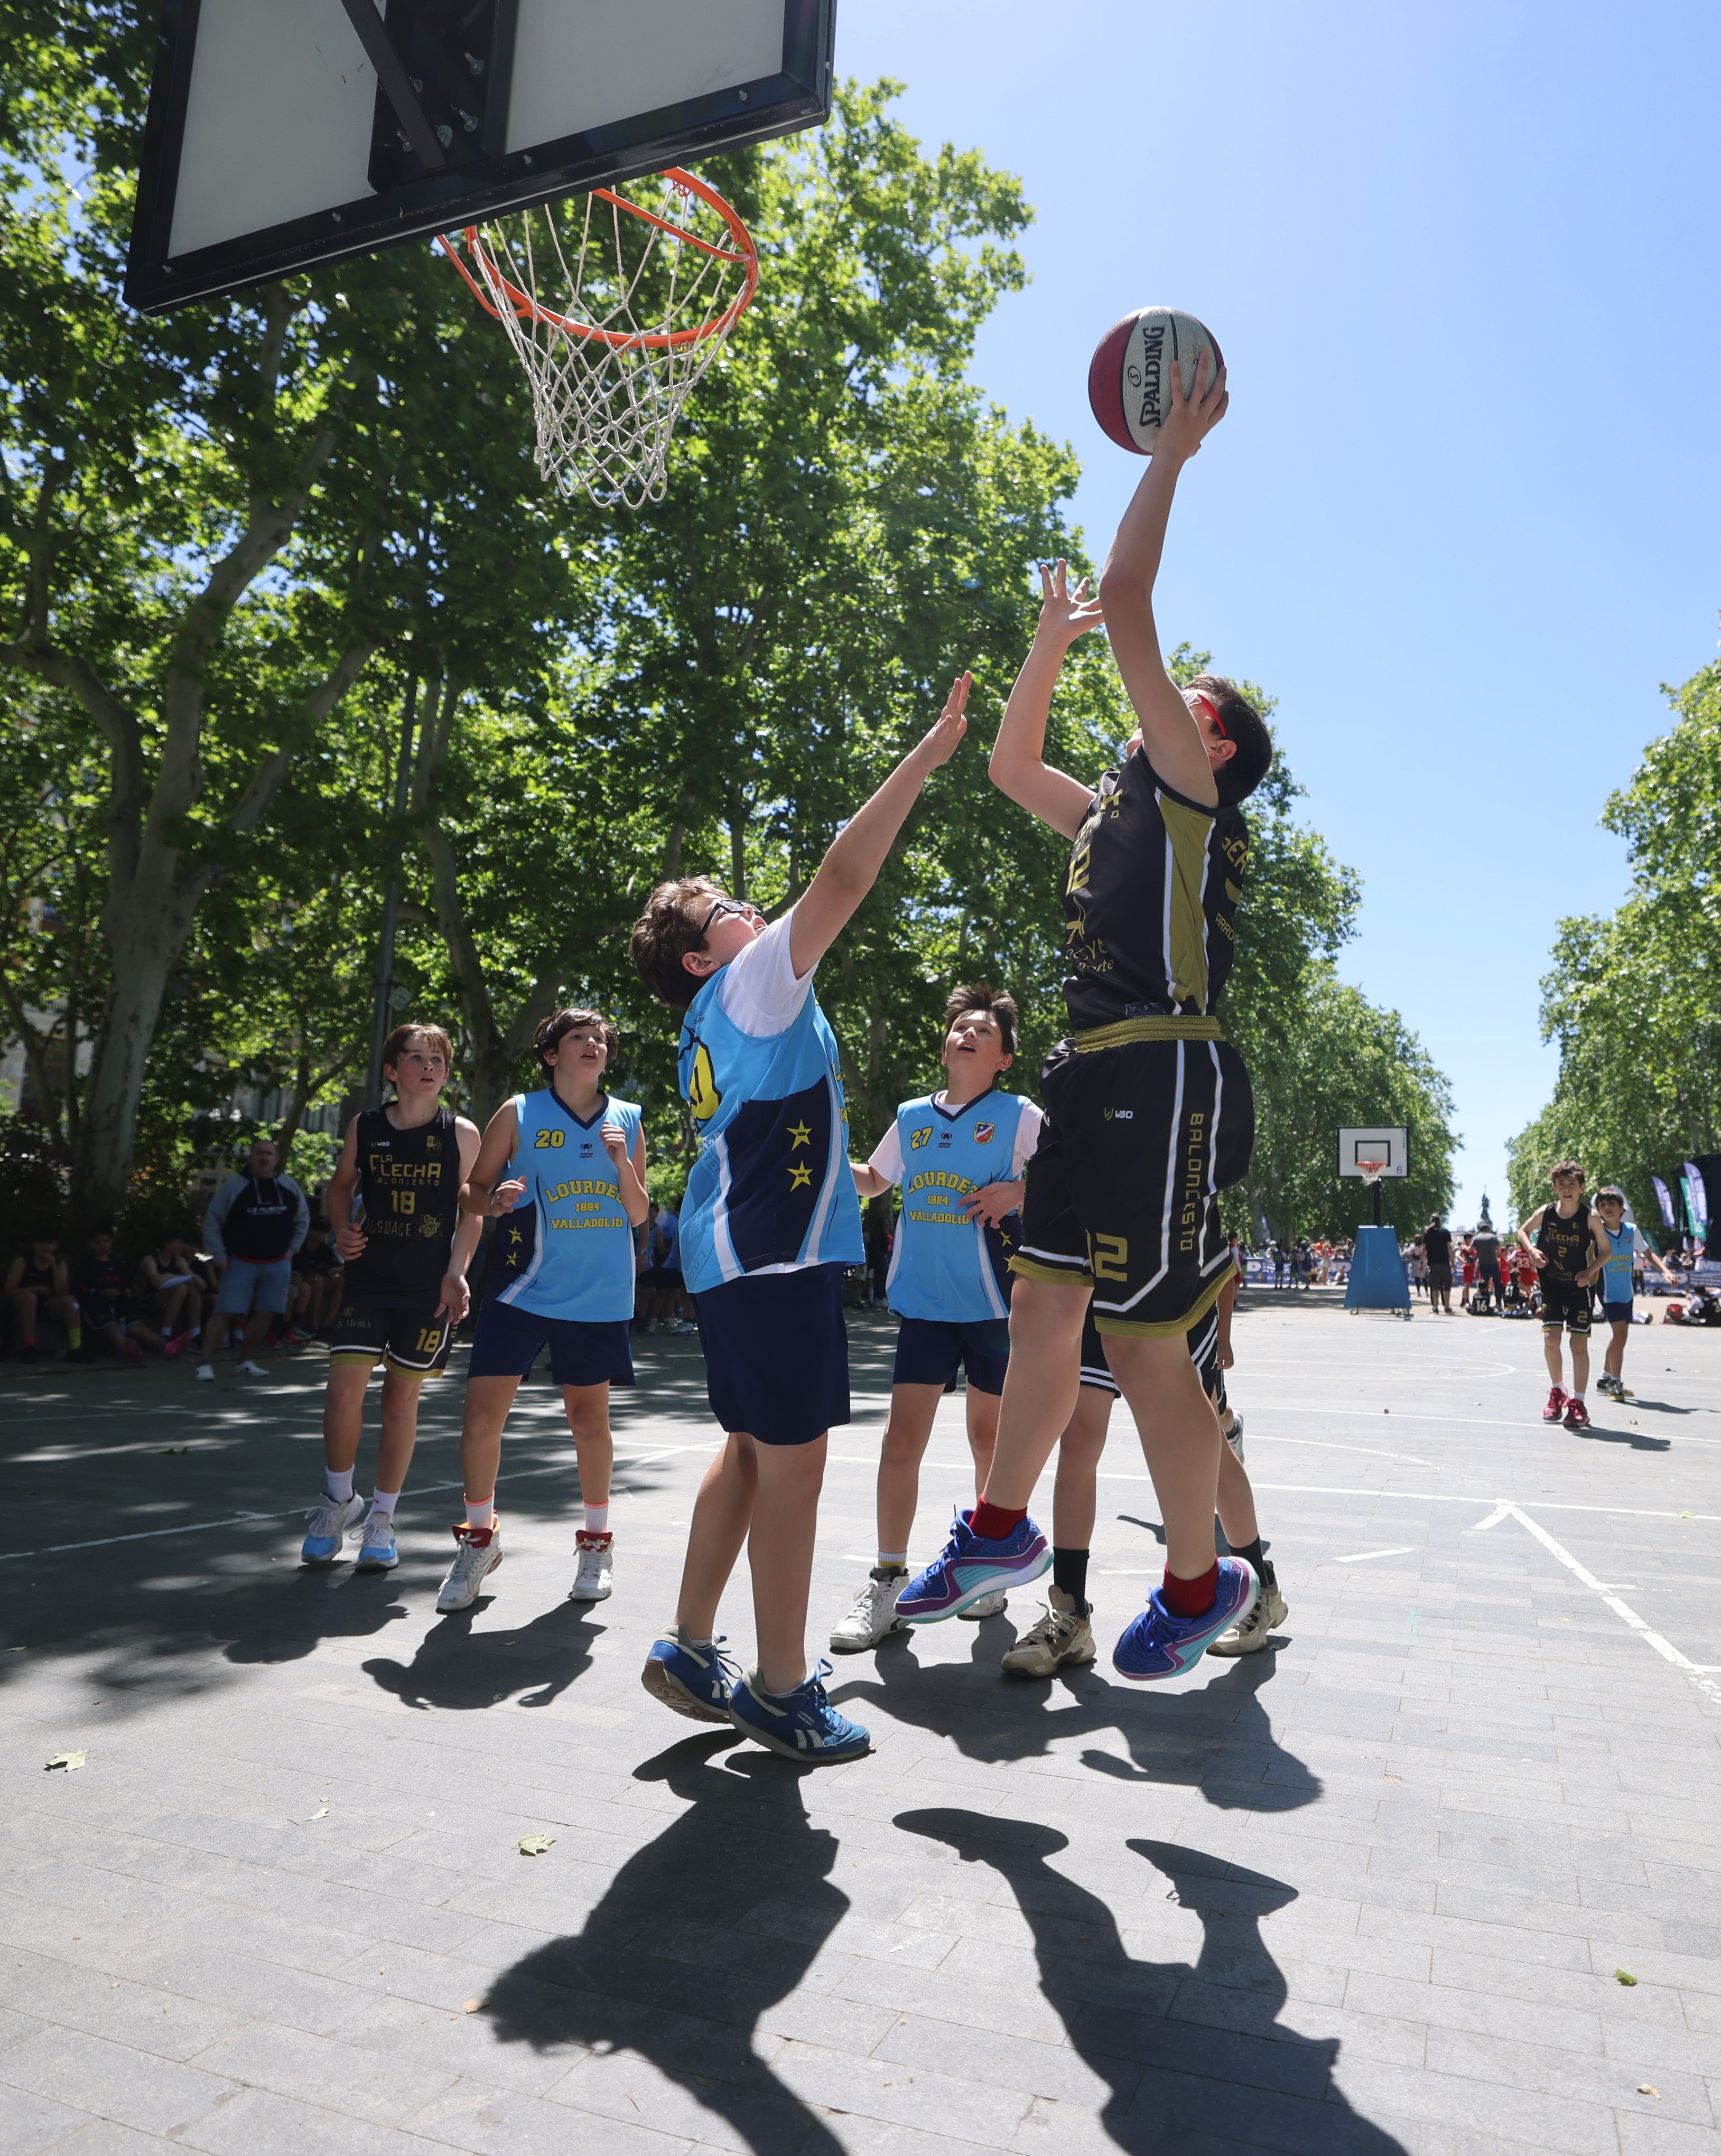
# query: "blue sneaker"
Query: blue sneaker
{"points": [[376, 1549], [968, 1568], [1159, 1644], [801, 1724], [693, 1680], [329, 1522]]}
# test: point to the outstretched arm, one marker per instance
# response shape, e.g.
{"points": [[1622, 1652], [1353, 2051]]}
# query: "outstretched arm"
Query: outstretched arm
{"points": [[857, 853], [1169, 735], [1017, 766]]}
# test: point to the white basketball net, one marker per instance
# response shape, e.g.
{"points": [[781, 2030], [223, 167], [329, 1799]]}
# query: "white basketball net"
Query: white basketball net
{"points": [[615, 310]]}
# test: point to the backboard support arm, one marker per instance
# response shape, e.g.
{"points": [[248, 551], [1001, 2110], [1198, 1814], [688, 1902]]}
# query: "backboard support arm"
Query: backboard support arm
{"points": [[395, 82]]}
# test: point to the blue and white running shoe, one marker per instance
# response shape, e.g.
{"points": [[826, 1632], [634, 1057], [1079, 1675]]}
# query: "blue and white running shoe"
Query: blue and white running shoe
{"points": [[376, 1549], [968, 1568], [801, 1724], [1159, 1644], [693, 1680], [330, 1519]]}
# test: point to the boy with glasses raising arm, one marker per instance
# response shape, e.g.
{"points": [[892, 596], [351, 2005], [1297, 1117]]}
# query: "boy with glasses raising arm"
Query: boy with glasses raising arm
{"points": [[769, 1222]]}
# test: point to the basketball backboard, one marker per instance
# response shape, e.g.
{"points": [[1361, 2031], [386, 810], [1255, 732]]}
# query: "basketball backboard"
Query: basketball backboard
{"points": [[285, 133], [1385, 1148]]}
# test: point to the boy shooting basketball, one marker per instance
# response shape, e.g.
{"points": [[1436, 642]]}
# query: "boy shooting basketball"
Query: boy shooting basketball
{"points": [[1570, 1248], [769, 1222], [1148, 1113]]}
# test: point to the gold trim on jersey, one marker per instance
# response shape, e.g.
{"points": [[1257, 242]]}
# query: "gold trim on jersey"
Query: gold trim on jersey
{"points": [[1171, 1027]]}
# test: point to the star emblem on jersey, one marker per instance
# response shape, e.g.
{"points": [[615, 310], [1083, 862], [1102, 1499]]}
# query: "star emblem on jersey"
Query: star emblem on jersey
{"points": [[800, 1135], [799, 1175]]}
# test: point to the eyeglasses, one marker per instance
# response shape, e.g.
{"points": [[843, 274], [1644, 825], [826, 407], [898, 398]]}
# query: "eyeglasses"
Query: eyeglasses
{"points": [[744, 906], [1212, 709]]}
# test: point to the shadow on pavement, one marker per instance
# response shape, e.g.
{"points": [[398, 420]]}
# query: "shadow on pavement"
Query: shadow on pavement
{"points": [[454, 1669], [1217, 1737], [1189, 2050], [663, 1969]]}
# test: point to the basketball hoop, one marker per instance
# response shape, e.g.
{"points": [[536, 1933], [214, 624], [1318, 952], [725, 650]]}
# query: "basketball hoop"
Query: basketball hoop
{"points": [[614, 312], [1371, 1171]]}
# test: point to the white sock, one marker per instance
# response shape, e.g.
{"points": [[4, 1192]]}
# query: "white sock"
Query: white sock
{"points": [[383, 1504], [892, 1560], [1575, 1396], [598, 1518], [339, 1486], [482, 1511]]}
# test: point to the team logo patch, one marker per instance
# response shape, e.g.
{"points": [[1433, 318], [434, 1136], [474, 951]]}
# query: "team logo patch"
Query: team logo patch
{"points": [[985, 1133], [920, 1137], [432, 1143]]}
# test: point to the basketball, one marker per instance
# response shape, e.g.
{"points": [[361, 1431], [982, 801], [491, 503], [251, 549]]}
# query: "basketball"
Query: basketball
{"points": [[1127, 385]]}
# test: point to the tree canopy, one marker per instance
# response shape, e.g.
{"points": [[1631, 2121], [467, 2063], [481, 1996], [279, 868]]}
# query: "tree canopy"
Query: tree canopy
{"points": [[290, 617]]}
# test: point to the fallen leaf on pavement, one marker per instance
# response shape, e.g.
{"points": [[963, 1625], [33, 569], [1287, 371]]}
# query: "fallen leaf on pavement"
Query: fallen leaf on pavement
{"points": [[1644, 2089], [535, 1845], [1624, 1976], [321, 1812], [71, 1761], [470, 2005]]}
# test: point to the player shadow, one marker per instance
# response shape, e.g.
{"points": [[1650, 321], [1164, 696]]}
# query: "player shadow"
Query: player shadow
{"points": [[1216, 1736], [1187, 2048], [533, 1664], [698, 1935], [290, 1614], [1599, 1434]]}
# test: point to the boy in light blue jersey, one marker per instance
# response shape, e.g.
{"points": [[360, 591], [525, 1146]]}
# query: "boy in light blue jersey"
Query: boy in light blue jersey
{"points": [[769, 1221], [1616, 1284], [956, 1155], [562, 1273]]}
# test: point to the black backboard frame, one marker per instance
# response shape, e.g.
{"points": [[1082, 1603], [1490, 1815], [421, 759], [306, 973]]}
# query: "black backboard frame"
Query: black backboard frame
{"points": [[798, 96]]}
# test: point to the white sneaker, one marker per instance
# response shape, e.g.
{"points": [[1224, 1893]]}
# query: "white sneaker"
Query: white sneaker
{"points": [[479, 1554], [873, 1616], [1269, 1611], [684, 1328], [326, 1526], [248, 1368], [594, 1578], [206, 1372], [1234, 1436], [988, 1605], [1062, 1635]]}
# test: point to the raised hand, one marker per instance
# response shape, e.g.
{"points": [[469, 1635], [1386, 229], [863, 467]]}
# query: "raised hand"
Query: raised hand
{"points": [[616, 1143], [1064, 614], [1190, 419], [940, 745]]}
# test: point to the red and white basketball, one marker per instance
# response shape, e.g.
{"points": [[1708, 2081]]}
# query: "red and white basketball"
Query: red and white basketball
{"points": [[1129, 381]]}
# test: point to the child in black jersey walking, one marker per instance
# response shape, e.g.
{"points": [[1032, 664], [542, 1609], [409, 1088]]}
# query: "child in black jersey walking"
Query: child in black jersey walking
{"points": [[1149, 1113], [405, 1289], [1570, 1248]]}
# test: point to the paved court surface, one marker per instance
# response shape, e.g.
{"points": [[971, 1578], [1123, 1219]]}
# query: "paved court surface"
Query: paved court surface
{"points": [[1369, 1891]]}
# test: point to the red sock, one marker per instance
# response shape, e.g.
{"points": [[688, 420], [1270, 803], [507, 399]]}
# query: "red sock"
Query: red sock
{"points": [[1191, 1598], [992, 1522]]}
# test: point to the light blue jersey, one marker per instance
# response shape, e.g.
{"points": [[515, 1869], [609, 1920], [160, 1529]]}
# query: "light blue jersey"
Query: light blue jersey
{"points": [[771, 1188], [1615, 1281], [567, 1249], [943, 1265]]}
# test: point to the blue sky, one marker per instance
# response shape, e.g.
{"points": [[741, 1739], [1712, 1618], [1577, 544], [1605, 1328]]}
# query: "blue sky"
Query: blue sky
{"points": [[1461, 517]]}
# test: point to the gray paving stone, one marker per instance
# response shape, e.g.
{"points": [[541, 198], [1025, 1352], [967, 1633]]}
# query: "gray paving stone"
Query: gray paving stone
{"points": [[29, 2122], [114, 2082]]}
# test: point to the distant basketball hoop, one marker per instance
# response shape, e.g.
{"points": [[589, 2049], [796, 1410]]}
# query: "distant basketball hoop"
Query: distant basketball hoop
{"points": [[615, 311]]}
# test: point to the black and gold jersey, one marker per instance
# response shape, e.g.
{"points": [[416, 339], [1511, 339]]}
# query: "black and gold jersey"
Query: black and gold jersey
{"points": [[1150, 900], [1567, 1245], [409, 1185]]}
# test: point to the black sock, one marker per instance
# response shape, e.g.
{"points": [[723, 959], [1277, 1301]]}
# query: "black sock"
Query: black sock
{"points": [[1252, 1555], [1069, 1572]]}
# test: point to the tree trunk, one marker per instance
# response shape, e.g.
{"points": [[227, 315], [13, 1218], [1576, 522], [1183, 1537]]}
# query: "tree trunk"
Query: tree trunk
{"points": [[145, 941]]}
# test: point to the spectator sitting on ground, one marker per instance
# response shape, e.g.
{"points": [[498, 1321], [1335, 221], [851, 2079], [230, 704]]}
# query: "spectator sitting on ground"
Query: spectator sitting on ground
{"points": [[256, 1222], [35, 1282], [318, 1279], [168, 1289], [109, 1311]]}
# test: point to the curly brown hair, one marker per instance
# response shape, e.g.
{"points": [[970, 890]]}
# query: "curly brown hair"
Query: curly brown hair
{"points": [[666, 931]]}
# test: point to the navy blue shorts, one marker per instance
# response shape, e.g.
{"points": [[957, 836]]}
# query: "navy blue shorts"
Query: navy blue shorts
{"points": [[777, 1353], [509, 1339], [1618, 1313], [930, 1351]]}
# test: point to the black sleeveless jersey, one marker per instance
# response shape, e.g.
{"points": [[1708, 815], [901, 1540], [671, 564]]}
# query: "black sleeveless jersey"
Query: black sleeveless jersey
{"points": [[1567, 1245], [1149, 901], [409, 1185]]}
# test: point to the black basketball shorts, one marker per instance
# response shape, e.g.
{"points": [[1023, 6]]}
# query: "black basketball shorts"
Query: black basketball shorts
{"points": [[1123, 1190], [1565, 1302], [411, 1337], [1203, 1339]]}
